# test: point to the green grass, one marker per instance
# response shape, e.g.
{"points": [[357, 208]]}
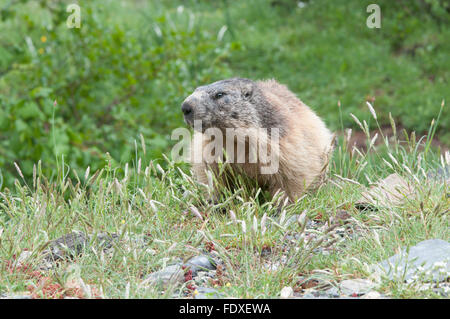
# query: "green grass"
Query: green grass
{"points": [[149, 201], [116, 78]]}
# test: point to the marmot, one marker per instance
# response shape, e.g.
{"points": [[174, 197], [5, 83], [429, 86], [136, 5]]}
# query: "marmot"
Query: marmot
{"points": [[304, 143]]}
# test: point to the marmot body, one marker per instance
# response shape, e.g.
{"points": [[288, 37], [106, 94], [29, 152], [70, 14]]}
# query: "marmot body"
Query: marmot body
{"points": [[304, 145]]}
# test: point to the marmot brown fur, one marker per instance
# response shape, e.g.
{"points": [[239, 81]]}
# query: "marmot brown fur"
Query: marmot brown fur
{"points": [[304, 147]]}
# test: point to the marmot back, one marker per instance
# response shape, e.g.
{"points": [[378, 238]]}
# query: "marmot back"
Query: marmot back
{"points": [[301, 146]]}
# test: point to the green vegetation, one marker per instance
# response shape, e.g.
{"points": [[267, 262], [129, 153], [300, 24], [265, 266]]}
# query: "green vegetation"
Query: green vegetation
{"points": [[127, 69], [150, 202]]}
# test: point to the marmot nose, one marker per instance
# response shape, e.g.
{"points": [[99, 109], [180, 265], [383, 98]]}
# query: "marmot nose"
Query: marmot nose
{"points": [[186, 108]]}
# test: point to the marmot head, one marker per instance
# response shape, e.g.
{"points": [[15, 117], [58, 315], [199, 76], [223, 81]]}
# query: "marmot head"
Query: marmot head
{"points": [[231, 103]]}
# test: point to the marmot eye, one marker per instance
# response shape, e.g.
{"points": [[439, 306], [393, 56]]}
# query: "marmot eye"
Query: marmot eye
{"points": [[219, 95]]}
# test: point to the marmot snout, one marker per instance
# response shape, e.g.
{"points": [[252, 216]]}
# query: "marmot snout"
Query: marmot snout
{"points": [[304, 143]]}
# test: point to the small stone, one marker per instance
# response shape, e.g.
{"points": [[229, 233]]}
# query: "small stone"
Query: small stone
{"points": [[69, 245], [171, 275], [372, 295], [272, 266], [429, 259], [388, 192], [286, 292], [356, 286], [203, 277], [24, 255], [198, 263]]}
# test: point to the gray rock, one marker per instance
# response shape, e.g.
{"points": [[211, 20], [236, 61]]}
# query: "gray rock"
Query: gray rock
{"points": [[66, 246], [216, 259], [73, 244], [443, 290], [105, 240], [200, 263], [356, 286], [204, 278], [23, 257], [171, 275], [428, 260], [388, 192], [207, 293]]}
